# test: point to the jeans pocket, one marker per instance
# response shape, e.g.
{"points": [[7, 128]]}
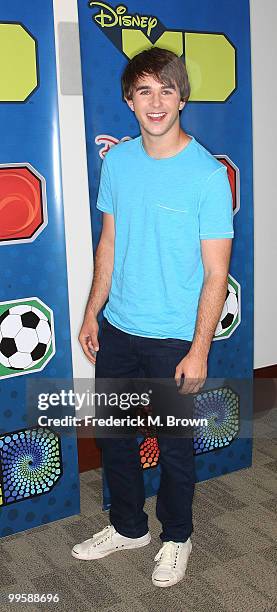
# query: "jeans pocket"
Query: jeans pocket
{"points": [[108, 327], [176, 343]]}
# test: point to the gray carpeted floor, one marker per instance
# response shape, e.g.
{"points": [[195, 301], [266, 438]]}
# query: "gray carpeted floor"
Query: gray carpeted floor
{"points": [[233, 566]]}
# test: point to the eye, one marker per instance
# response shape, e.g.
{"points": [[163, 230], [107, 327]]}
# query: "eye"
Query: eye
{"points": [[144, 92], [167, 91]]}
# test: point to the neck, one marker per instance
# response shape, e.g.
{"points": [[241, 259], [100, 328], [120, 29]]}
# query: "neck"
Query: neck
{"points": [[166, 145]]}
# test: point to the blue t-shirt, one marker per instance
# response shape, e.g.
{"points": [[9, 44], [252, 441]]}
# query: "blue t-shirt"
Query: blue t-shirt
{"points": [[162, 208]]}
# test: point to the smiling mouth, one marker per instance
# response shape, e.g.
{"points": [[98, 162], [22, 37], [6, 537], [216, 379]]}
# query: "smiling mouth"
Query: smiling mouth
{"points": [[157, 117]]}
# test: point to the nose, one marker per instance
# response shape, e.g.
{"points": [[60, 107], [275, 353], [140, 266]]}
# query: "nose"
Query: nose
{"points": [[156, 99]]}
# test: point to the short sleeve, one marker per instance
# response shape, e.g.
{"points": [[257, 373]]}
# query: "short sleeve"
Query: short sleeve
{"points": [[105, 199], [216, 207]]}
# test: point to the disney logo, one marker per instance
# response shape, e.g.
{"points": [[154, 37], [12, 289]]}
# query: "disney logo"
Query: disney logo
{"points": [[109, 17], [108, 142]]}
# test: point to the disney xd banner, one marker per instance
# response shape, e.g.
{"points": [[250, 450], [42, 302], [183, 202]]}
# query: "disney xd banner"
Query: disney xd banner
{"points": [[213, 38], [39, 480]]}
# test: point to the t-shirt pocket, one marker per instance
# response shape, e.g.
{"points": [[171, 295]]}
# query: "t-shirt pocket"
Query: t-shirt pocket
{"points": [[171, 223], [172, 208]]}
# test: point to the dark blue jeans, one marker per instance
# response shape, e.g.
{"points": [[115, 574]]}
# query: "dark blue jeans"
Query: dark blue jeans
{"points": [[123, 355]]}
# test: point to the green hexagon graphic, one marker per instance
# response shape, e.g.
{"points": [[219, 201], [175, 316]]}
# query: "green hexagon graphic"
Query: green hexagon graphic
{"points": [[27, 338], [18, 63], [230, 317]]}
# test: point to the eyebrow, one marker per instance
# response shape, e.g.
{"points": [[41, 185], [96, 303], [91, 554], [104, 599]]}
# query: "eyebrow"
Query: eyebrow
{"points": [[141, 87]]}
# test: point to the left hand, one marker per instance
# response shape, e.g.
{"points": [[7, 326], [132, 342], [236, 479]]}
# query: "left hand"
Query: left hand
{"points": [[194, 369]]}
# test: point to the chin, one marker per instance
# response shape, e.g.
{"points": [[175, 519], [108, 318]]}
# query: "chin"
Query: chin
{"points": [[160, 132], [156, 130]]}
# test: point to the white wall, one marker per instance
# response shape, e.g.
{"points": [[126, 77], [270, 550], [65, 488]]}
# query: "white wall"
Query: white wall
{"points": [[75, 185], [264, 53]]}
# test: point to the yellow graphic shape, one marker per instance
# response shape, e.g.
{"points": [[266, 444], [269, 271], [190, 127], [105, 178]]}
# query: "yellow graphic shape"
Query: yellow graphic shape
{"points": [[211, 65], [210, 60], [18, 69], [135, 41]]}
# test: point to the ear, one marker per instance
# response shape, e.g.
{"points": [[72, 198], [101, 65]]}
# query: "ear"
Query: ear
{"points": [[182, 104], [130, 104]]}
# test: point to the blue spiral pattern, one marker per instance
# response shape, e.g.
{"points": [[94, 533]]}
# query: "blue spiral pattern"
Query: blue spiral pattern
{"points": [[30, 463], [221, 409]]}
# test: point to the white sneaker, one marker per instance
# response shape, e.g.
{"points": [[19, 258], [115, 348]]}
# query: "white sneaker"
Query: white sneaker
{"points": [[106, 542], [172, 560]]}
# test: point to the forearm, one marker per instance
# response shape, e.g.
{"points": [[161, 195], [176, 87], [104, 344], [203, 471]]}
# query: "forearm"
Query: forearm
{"points": [[103, 268], [210, 306]]}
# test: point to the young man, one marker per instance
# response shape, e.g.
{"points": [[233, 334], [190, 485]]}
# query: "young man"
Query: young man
{"points": [[162, 261]]}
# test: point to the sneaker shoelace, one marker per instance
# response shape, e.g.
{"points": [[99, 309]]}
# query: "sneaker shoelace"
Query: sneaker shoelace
{"points": [[168, 554], [103, 536]]}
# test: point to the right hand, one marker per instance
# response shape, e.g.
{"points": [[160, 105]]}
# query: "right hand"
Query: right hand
{"points": [[88, 337]]}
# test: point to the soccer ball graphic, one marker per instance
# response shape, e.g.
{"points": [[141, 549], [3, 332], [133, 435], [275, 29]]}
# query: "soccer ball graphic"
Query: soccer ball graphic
{"points": [[25, 336], [229, 318]]}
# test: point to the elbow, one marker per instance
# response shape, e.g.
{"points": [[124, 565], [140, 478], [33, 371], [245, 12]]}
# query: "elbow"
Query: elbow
{"points": [[219, 277]]}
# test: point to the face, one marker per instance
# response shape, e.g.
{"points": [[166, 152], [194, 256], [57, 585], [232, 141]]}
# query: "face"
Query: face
{"points": [[156, 106]]}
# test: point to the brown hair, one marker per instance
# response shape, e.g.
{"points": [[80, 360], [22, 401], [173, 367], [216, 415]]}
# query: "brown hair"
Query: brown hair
{"points": [[162, 64]]}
